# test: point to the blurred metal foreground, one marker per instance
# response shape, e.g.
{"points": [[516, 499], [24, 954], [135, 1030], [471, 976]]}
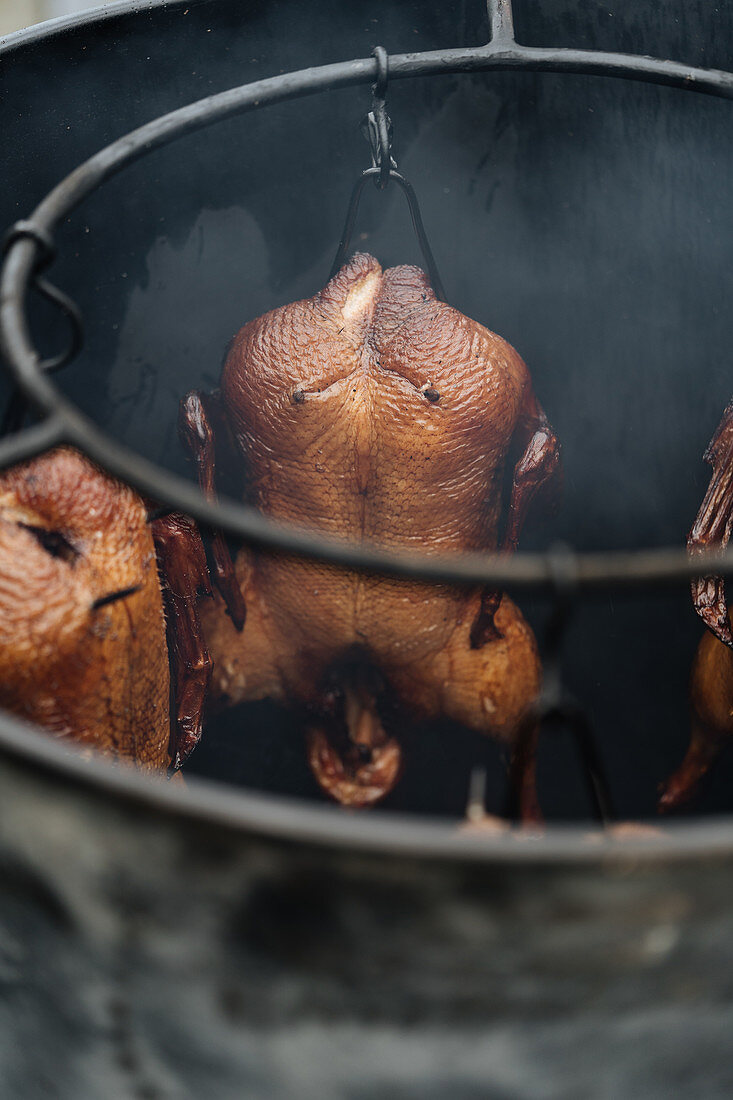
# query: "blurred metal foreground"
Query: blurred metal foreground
{"points": [[157, 942]]}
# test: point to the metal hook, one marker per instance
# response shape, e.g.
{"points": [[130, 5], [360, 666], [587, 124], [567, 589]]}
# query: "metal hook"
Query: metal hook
{"points": [[377, 125], [570, 714], [45, 254], [377, 128], [17, 407], [564, 712], [379, 88]]}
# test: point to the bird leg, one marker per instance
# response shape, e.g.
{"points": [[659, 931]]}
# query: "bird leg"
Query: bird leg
{"points": [[184, 577], [484, 628], [491, 690], [711, 693], [198, 416], [705, 745], [537, 469], [712, 528], [524, 803]]}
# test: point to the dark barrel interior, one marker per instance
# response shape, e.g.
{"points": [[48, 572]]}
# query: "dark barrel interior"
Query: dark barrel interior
{"points": [[584, 219]]}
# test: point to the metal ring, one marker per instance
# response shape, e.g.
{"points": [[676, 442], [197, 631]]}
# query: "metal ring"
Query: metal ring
{"points": [[621, 570], [379, 88], [28, 230], [45, 254], [383, 152], [72, 312]]}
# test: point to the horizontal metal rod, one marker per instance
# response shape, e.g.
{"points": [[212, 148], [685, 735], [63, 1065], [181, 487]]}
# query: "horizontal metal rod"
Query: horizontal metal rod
{"points": [[262, 814], [31, 441], [497, 55]]}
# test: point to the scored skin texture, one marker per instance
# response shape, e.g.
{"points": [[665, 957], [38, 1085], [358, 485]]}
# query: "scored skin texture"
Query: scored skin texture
{"points": [[374, 411], [713, 527], [96, 674], [711, 680]]}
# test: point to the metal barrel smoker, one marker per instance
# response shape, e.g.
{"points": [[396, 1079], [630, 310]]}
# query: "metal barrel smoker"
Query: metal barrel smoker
{"points": [[225, 942]]}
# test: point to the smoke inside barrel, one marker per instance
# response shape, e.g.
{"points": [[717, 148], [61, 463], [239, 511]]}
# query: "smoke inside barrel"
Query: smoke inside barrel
{"points": [[583, 219]]}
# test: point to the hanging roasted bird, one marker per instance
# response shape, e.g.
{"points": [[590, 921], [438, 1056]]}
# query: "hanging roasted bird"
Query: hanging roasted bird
{"points": [[98, 613], [374, 412], [711, 682]]}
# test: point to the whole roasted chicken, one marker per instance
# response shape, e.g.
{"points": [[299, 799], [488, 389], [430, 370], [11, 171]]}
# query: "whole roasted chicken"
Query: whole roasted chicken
{"points": [[374, 412], [711, 683], [85, 649]]}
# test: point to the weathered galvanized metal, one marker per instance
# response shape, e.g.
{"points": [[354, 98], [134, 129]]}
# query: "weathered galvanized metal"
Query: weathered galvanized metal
{"points": [[166, 943]]}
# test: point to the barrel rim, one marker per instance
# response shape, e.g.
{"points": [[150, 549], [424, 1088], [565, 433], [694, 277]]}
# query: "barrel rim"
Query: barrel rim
{"points": [[276, 818], [51, 28]]}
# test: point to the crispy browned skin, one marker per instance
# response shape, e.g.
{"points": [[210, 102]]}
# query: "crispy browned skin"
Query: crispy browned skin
{"points": [[373, 411], [712, 529], [711, 682], [184, 578], [73, 659], [711, 697]]}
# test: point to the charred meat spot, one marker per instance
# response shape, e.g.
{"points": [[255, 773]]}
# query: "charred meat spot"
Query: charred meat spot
{"points": [[53, 542], [364, 753], [101, 626], [113, 597], [330, 703]]}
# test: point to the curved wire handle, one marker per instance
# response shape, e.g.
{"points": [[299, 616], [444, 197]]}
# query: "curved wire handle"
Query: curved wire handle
{"points": [[70, 309], [377, 128], [556, 708], [17, 407], [417, 224], [45, 254]]}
